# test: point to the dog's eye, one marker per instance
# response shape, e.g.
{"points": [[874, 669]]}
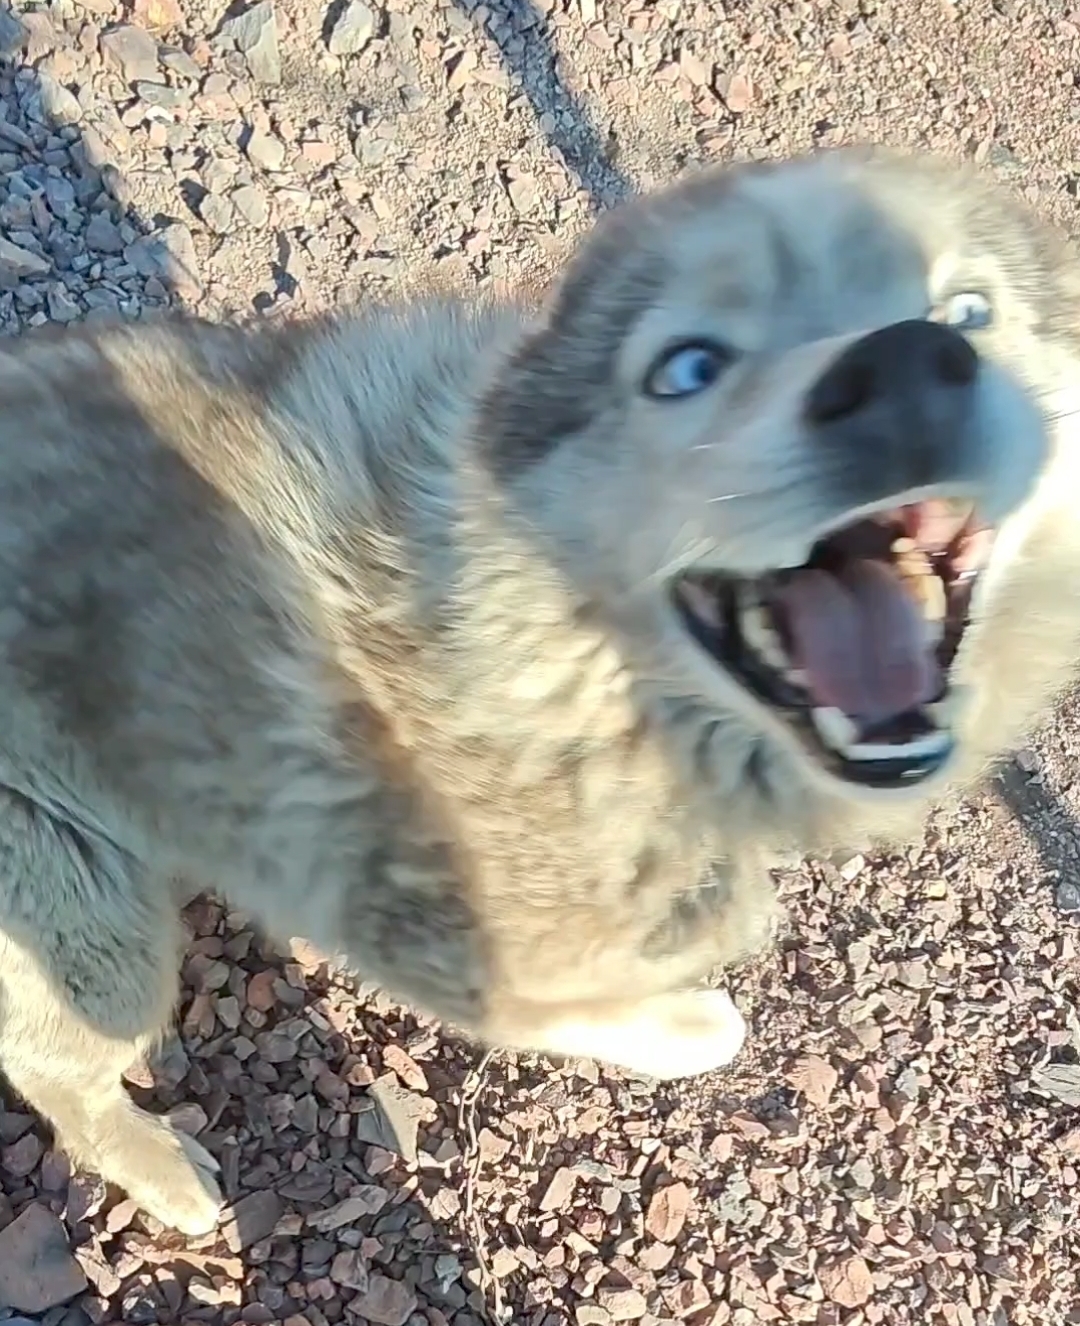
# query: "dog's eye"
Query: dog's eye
{"points": [[968, 311], [686, 368]]}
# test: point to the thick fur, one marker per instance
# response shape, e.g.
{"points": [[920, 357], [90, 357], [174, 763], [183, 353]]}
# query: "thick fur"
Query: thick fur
{"points": [[364, 624]]}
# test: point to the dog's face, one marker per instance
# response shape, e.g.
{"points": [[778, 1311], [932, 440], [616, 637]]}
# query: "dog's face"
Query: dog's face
{"points": [[786, 431]]}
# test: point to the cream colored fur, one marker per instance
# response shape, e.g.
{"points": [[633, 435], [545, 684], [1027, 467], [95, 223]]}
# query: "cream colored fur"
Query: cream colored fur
{"points": [[365, 625]]}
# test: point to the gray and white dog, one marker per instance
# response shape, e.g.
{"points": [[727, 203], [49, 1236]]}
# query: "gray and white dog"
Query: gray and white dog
{"points": [[498, 646]]}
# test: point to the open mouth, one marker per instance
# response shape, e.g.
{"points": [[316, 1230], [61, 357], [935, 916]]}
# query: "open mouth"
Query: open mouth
{"points": [[854, 648]]}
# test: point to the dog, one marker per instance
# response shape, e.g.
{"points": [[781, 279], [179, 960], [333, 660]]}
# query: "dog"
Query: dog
{"points": [[501, 646]]}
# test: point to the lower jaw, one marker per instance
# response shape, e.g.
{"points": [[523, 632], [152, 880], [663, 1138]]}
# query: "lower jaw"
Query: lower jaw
{"points": [[908, 768], [903, 772], [896, 773]]}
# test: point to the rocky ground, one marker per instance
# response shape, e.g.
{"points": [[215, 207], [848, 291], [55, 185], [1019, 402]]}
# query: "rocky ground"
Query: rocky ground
{"points": [[902, 1140]]}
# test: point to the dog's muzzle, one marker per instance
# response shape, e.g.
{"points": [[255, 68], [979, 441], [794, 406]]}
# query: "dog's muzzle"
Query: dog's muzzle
{"points": [[855, 646]]}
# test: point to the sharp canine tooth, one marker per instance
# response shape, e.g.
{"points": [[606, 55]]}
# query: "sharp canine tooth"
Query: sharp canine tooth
{"points": [[834, 727], [758, 632]]}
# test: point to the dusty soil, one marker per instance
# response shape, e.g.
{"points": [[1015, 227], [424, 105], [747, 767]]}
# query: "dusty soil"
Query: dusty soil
{"points": [[901, 1142]]}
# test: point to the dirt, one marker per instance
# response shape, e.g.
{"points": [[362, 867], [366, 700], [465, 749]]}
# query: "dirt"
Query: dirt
{"points": [[901, 1140]]}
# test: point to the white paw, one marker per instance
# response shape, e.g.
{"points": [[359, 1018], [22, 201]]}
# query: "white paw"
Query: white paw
{"points": [[197, 1208], [668, 1036], [176, 1184]]}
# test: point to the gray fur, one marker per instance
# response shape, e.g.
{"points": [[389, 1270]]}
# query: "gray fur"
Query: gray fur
{"points": [[363, 624]]}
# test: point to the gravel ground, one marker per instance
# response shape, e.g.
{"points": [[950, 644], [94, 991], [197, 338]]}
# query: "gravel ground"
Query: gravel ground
{"points": [[901, 1141]]}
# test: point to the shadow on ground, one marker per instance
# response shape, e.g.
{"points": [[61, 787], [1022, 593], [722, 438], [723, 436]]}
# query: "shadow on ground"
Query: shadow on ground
{"points": [[526, 42], [1051, 827]]}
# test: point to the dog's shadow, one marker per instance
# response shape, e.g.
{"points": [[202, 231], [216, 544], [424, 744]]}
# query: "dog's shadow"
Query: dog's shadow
{"points": [[1048, 811], [523, 34]]}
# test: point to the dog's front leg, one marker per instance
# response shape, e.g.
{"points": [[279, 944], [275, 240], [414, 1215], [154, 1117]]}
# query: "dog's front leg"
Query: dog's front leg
{"points": [[641, 1011]]}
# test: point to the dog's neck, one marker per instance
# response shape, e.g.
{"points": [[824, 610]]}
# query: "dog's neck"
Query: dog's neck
{"points": [[518, 656]]}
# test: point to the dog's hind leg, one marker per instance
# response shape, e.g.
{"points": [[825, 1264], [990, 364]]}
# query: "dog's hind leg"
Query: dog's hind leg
{"points": [[89, 951]]}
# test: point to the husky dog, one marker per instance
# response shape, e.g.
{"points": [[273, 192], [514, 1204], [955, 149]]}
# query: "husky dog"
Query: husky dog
{"points": [[497, 647]]}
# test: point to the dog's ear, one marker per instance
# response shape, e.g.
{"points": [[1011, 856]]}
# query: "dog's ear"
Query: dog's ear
{"points": [[560, 374]]}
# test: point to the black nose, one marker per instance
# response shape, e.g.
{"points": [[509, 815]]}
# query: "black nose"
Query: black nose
{"points": [[899, 400]]}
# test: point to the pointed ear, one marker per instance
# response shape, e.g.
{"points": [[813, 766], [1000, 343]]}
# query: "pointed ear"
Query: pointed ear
{"points": [[560, 375]]}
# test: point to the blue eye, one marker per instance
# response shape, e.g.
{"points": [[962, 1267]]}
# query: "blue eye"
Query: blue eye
{"points": [[968, 311], [686, 368]]}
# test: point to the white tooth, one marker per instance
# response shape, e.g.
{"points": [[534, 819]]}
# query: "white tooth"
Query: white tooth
{"points": [[797, 677], [834, 727], [758, 632], [933, 743], [700, 603]]}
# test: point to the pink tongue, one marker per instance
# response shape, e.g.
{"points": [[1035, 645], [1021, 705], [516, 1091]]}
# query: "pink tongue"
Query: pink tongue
{"points": [[860, 640]]}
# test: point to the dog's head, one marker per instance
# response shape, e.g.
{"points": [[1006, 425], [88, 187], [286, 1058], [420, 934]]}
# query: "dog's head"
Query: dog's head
{"points": [[786, 430]]}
